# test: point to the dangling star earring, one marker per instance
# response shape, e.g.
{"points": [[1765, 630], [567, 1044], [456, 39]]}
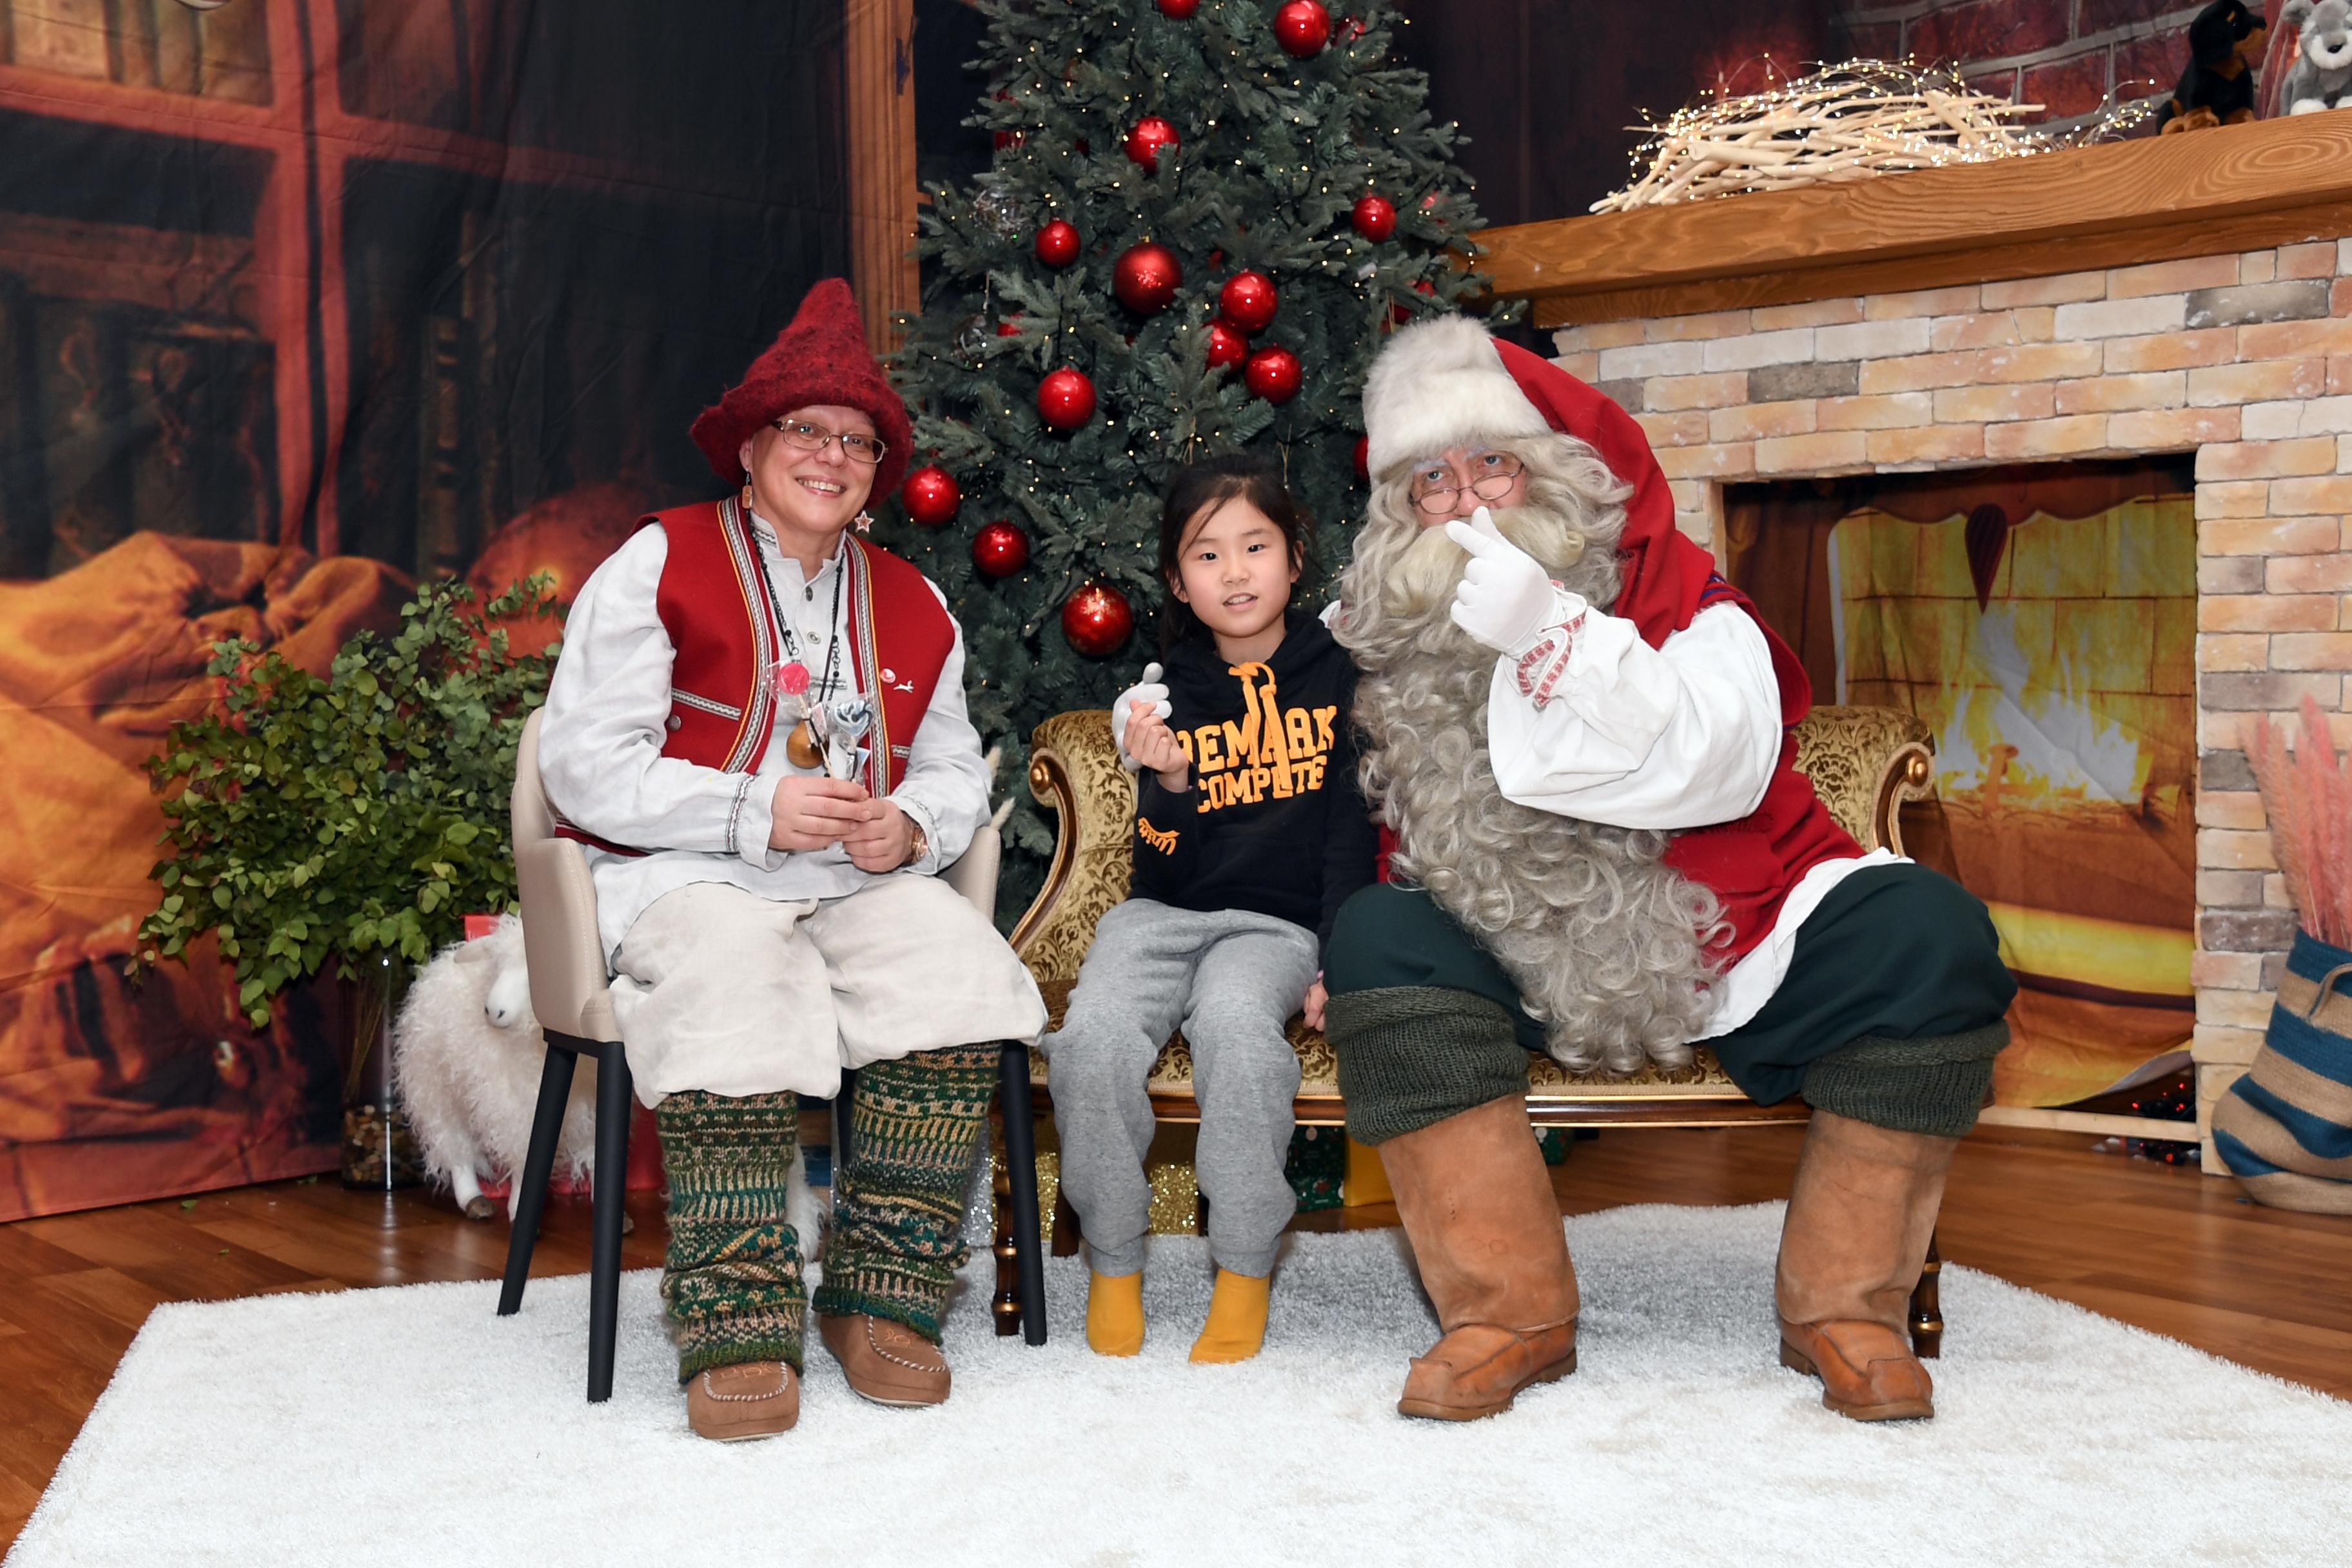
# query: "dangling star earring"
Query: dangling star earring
{"points": [[747, 491], [864, 522]]}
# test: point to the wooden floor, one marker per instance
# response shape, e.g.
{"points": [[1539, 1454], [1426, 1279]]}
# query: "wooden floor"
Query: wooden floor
{"points": [[2160, 1246]]}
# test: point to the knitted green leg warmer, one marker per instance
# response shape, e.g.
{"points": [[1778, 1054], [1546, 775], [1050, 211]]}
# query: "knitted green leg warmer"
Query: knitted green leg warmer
{"points": [[898, 1210], [731, 1282], [1933, 1085], [1413, 1055]]}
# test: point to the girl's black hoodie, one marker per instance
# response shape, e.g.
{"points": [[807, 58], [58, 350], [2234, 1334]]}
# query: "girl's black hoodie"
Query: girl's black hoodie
{"points": [[1271, 820]]}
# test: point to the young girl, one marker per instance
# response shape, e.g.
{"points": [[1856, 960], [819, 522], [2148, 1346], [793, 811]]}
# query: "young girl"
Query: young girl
{"points": [[1249, 833]]}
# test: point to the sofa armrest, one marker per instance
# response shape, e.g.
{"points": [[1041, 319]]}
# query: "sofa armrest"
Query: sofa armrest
{"points": [[1073, 770], [1864, 762]]}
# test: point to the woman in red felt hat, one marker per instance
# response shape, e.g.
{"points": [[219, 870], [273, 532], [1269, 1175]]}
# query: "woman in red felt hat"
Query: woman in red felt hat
{"points": [[758, 729]]}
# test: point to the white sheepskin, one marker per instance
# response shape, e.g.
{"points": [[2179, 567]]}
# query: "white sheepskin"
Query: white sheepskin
{"points": [[467, 1052]]}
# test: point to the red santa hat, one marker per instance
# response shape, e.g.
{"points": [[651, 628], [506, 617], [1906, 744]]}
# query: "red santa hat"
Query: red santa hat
{"points": [[820, 357], [1448, 381]]}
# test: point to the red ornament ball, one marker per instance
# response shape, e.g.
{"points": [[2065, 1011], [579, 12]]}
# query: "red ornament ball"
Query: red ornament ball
{"points": [[1247, 301], [1007, 137], [1227, 345], [1375, 218], [1146, 277], [1000, 549], [1096, 619], [1179, 10], [1009, 328], [1363, 457], [1273, 375], [1302, 27], [932, 495], [1057, 244], [1065, 398], [1151, 134]]}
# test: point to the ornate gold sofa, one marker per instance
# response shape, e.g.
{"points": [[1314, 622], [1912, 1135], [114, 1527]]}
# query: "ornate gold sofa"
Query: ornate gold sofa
{"points": [[1864, 761]]}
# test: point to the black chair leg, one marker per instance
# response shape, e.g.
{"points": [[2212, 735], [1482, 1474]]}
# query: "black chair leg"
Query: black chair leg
{"points": [[1021, 1156], [546, 1127], [612, 1187]]}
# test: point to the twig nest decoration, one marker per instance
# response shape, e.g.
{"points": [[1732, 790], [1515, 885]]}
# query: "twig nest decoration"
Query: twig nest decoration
{"points": [[1846, 122]]}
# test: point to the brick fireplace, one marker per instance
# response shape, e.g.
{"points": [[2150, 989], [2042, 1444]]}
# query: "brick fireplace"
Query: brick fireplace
{"points": [[1820, 362]]}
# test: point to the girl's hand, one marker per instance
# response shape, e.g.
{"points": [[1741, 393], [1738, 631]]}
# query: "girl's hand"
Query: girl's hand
{"points": [[808, 813], [1153, 745], [1316, 997]]}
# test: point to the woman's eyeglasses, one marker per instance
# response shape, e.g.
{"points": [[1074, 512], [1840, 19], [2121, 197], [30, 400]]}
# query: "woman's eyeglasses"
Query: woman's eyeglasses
{"points": [[810, 437], [1433, 489]]}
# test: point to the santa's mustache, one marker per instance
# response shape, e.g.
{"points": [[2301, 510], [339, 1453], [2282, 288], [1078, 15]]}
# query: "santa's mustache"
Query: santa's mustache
{"points": [[1423, 578]]}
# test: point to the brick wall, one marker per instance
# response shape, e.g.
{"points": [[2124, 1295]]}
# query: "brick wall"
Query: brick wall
{"points": [[2245, 360], [2067, 55]]}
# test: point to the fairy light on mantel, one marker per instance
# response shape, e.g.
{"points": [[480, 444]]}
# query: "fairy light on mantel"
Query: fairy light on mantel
{"points": [[1852, 120]]}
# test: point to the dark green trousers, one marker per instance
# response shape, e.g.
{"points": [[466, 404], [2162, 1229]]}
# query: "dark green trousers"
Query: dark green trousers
{"points": [[1891, 1009]]}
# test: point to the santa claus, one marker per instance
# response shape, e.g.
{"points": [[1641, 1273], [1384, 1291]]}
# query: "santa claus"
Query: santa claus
{"points": [[1578, 735]]}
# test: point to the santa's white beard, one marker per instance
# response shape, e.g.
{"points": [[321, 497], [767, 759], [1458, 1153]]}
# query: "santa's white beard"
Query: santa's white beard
{"points": [[1602, 939]]}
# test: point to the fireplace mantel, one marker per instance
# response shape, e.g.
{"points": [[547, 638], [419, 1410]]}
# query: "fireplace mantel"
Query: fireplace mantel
{"points": [[2201, 193]]}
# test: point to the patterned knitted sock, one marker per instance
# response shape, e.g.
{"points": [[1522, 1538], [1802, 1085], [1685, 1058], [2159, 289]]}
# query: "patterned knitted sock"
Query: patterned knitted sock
{"points": [[731, 1282], [898, 1210]]}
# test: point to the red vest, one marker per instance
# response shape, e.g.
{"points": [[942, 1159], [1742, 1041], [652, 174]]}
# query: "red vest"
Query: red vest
{"points": [[713, 602]]}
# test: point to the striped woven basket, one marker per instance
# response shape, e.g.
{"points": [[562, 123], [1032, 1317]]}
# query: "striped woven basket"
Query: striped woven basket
{"points": [[2284, 1129]]}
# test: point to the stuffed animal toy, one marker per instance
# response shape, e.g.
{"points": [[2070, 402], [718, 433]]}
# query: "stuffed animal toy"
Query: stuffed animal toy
{"points": [[2321, 76], [2218, 88]]}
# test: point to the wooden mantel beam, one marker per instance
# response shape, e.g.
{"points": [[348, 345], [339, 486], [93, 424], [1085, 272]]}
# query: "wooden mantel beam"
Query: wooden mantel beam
{"points": [[2193, 194]]}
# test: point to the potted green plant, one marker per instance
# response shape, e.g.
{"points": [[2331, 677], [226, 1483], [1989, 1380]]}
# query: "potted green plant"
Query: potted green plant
{"points": [[355, 819]]}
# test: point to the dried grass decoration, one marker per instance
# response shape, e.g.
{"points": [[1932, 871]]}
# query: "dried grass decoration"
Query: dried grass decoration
{"points": [[2307, 796], [1846, 122]]}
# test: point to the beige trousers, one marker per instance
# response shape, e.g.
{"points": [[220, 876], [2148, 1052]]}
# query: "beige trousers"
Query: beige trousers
{"points": [[723, 991]]}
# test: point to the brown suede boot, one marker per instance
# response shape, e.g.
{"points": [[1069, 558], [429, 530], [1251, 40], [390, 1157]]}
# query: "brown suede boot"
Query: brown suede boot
{"points": [[1477, 1206], [1860, 1215]]}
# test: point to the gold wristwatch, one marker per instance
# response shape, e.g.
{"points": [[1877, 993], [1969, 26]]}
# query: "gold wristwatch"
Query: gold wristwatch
{"points": [[920, 845]]}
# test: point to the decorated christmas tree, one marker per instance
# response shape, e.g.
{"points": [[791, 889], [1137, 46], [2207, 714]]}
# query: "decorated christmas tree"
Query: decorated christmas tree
{"points": [[1201, 219]]}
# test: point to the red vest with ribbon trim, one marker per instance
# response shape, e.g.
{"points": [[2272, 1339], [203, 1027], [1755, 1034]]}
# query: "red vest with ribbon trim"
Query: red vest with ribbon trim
{"points": [[713, 602]]}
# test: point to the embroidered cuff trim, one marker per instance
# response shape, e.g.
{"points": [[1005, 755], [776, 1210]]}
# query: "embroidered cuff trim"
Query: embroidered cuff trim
{"points": [[735, 813], [1540, 669]]}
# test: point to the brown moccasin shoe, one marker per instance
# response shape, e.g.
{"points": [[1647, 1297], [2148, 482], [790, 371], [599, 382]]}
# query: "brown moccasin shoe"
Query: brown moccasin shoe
{"points": [[1479, 1368], [885, 1362], [1867, 1370], [749, 1399]]}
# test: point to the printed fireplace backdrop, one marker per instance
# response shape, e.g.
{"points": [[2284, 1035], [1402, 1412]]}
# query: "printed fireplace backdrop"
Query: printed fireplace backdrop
{"points": [[300, 300], [2042, 621]]}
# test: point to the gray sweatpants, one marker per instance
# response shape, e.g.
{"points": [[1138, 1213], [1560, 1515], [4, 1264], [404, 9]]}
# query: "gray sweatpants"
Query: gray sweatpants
{"points": [[1231, 979]]}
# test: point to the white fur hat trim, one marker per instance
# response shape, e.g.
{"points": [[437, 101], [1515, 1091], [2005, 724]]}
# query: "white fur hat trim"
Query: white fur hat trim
{"points": [[1441, 383]]}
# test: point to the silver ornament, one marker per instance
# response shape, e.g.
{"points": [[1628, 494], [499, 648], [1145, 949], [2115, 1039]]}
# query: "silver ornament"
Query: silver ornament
{"points": [[1001, 211], [971, 338]]}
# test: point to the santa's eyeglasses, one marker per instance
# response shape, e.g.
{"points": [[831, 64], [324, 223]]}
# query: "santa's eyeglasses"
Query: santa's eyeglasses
{"points": [[810, 437], [1434, 490]]}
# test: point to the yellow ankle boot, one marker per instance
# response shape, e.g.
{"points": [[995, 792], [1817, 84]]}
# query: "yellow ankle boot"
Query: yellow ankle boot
{"points": [[1115, 1313], [1236, 1327]]}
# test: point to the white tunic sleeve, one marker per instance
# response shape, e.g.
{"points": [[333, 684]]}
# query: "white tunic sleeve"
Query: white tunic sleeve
{"points": [[608, 705], [945, 787], [1676, 736]]}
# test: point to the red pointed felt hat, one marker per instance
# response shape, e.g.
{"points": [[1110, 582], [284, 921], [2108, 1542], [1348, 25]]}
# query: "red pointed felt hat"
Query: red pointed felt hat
{"points": [[822, 357]]}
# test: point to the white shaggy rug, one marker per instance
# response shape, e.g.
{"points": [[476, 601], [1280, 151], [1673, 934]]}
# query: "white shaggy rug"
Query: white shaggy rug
{"points": [[411, 1426]]}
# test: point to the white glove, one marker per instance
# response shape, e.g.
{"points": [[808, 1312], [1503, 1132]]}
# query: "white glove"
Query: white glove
{"points": [[1505, 597], [1149, 689]]}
